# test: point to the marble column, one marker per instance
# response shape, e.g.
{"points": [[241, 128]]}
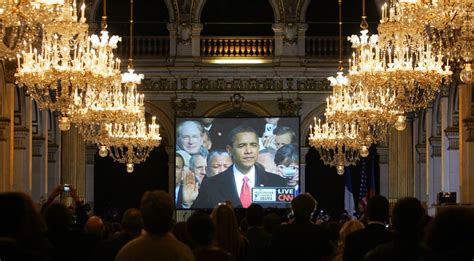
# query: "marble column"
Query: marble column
{"points": [[73, 162]]}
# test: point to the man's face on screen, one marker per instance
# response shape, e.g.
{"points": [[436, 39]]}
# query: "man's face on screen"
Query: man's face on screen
{"points": [[282, 140], [190, 138], [244, 150], [219, 164], [179, 169], [199, 168]]}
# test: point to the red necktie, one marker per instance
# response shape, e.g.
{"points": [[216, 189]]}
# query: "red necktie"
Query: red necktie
{"points": [[245, 197]]}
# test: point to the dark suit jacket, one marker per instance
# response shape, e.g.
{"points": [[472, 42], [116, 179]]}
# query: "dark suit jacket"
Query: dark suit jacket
{"points": [[300, 240], [362, 241], [221, 188]]}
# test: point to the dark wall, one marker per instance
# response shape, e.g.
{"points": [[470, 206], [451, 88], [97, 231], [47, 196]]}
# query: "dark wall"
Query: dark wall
{"points": [[327, 187], [116, 190]]}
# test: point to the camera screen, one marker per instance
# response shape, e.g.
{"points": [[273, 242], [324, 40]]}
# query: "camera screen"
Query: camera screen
{"points": [[66, 188]]}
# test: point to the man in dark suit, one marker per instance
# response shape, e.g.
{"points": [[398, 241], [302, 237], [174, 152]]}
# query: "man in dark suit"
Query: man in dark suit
{"points": [[236, 183], [301, 239], [374, 234]]}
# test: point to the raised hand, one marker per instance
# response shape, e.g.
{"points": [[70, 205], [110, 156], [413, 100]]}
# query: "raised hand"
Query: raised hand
{"points": [[190, 188], [57, 190]]}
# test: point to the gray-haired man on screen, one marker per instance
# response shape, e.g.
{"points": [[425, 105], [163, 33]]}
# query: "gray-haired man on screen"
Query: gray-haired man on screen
{"points": [[236, 183]]}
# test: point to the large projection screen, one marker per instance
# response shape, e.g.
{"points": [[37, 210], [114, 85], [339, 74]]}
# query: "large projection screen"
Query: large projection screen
{"points": [[236, 161]]}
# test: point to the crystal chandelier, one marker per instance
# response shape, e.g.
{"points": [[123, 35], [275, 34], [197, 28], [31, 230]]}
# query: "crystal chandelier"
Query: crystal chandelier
{"points": [[403, 67], [346, 106], [451, 30], [336, 143], [55, 73], [23, 20], [130, 143]]}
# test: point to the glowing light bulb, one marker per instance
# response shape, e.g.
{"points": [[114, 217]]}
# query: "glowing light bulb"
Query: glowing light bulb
{"points": [[340, 170], [103, 152], [364, 151], [64, 123], [400, 124], [129, 167]]}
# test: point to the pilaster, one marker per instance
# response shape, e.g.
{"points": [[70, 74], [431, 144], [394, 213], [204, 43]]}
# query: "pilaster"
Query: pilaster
{"points": [[5, 155], [73, 164], [91, 151], [401, 176], [39, 167], [452, 159], [466, 144]]}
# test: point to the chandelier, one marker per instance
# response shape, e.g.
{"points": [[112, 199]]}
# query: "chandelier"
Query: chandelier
{"points": [[451, 30], [55, 73], [356, 105], [22, 22], [401, 68], [337, 144], [130, 143]]}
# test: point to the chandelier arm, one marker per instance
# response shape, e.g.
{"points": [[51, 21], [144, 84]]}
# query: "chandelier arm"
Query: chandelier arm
{"points": [[130, 59]]}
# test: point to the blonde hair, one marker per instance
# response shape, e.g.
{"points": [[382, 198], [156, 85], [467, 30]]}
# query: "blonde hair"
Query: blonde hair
{"points": [[346, 229]]}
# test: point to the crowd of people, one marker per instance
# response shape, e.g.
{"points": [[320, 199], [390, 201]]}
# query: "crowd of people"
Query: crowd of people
{"points": [[56, 232], [217, 158]]}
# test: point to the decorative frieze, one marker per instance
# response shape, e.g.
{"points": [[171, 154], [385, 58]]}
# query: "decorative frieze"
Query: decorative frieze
{"points": [[289, 107], [241, 84], [184, 107]]}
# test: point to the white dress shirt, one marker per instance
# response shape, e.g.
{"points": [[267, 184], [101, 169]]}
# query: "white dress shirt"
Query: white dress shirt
{"points": [[239, 178]]}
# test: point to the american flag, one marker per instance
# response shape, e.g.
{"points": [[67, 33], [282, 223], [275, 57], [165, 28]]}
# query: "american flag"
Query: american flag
{"points": [[367, 190]]}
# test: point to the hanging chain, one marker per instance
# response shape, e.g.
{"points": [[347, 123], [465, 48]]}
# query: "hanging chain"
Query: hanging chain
{"points": [[104, 16], [340, 36], [363, 24], [130, 59]]}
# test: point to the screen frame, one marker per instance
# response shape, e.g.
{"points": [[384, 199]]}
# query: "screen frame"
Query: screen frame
{"points": [[181, 118]]}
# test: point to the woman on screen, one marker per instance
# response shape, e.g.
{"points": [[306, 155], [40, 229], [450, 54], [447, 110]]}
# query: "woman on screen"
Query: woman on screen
{"points": [[286, 160]]}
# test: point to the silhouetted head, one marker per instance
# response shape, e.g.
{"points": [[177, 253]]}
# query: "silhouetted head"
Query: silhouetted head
{"points": [[407, 216], [201, 229], [303, 206], [377, 208], [157, 211], [255, 215]]}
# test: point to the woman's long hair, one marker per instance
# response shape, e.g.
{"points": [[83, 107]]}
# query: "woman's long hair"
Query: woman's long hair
{"points": [[227, 231]]}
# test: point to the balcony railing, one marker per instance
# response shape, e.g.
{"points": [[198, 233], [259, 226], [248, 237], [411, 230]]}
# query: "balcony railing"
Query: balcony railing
{"points": [[144, 47], [237, 46], [325, 46], [225, 46]]}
